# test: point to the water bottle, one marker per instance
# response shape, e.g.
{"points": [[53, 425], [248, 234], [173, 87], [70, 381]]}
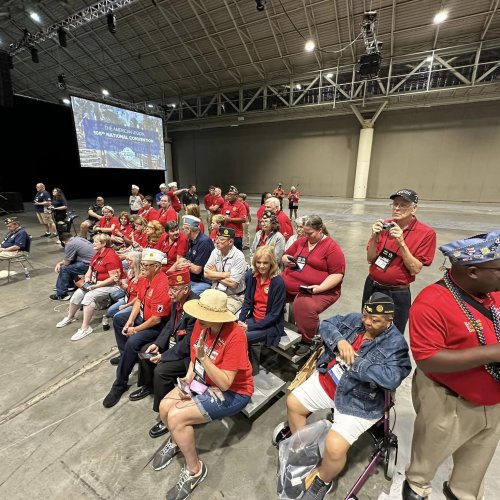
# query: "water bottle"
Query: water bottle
{"points": [[27, 273]]}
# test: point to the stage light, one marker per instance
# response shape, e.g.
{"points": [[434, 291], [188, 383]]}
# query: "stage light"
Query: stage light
{"points": [[61, 82], [66, 101], [298, 86], [111, 21], [309, 46], [369, 65], [105, 92], [61, 35], [260, 5], [34, 54], [440, 17], [35, 17]]}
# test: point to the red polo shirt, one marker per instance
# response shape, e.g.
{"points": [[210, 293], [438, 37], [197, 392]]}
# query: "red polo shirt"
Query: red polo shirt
{"points": [[260, 298], [105, 261], [420, 240], [168, 215], [154, 297], [437, 323], [149, 215], [219, 201], [108, 222], [207, 200], [174, 201], [140, 238], [173, 249], [235, 210]]}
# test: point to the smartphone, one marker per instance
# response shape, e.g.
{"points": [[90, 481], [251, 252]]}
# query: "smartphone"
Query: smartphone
{"points": [[147, 355], [86, 286], [291, 259], [184, 388], [305, 289]]}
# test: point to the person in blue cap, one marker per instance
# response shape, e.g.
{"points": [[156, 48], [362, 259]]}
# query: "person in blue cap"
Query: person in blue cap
{"points": [[455, 341]]}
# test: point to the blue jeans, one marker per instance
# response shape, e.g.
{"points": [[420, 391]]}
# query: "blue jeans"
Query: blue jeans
{"points": [[113, 309], [213, 409], [67, 274], [198, 287]]}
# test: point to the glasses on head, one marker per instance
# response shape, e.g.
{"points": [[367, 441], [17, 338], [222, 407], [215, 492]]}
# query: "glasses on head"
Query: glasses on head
{"points": [[402, 206]]}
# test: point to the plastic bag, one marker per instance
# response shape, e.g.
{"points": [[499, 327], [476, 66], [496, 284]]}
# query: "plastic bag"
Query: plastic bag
{"points": [[298, 456]]}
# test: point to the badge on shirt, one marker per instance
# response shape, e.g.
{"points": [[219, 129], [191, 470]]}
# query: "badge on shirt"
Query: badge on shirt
{"points": [[199, 370], [384, 259], [266, 290], [337, 370], [159, 308], [180, 333], [301, 262]]}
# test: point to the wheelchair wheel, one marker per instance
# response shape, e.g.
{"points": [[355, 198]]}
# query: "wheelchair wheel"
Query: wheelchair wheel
{"points": [[390, 463], [280, 432]]}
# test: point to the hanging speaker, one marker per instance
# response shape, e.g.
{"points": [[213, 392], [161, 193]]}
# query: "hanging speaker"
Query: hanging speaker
{"points": [[6, 95]]}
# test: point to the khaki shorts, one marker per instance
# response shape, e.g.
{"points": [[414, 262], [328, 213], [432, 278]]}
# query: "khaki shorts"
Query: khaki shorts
{"points": [[44, 218]]}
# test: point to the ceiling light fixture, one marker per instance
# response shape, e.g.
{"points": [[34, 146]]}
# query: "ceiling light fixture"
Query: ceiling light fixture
{"points": [[61, 36], [298, 86], [105, 92], [260, 5], [440, 17], [35, 17], [111, 22], [66, 101], [329, 75], [309, 46]]}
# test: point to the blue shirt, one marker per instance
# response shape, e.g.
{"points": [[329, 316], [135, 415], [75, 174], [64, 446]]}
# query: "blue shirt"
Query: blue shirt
{"points": [[19, 238], [39, 197], [199, 251]]}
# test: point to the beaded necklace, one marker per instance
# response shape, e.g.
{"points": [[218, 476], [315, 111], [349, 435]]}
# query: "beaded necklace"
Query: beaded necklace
{"points": [[492, 368]]}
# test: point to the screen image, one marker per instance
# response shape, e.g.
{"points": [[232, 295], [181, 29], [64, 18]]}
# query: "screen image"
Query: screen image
{"points": [[112, 137]]}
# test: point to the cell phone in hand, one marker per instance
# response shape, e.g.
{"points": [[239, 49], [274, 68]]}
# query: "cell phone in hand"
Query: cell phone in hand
{"points": [[305, 289], [183, 387], [291, 259], [147, 355], [86, 286]]}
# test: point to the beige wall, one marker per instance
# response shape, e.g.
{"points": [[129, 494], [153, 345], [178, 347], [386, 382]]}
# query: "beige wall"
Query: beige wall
{"points": [[444, 153]]}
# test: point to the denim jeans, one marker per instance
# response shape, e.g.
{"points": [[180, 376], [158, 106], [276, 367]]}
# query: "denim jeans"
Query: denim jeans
{"points": [[67, 274]]}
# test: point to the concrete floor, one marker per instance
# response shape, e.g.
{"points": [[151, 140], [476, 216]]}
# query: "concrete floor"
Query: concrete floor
{"points": [[57, 441]]}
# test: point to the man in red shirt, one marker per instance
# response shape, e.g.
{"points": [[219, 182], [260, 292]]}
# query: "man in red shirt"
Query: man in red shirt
{"points": [[173, 193], [217, 202], [143, 324], [235, 214], [455, 341], [286, 228], [280, 194], [397, 250], [207, 202]]}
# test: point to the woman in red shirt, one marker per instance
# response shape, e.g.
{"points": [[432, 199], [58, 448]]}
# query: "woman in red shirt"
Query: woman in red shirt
{"points": [[155, 235], [122, 235], [101, 279], [108, 222], [175, 245], [218, 383], [314, 269]]}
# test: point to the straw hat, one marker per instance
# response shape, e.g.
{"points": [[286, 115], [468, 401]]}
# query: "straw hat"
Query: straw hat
{"points": [[211, 307]]}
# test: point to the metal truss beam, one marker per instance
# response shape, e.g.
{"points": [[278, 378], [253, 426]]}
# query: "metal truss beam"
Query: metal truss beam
{"points": [[84, 16]]}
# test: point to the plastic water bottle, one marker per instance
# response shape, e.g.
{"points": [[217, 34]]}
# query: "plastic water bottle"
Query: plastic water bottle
{"points": [[27, 273]]}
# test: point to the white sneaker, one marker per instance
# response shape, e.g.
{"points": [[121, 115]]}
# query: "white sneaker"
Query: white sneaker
{"points": [[65, 321], [81, 333]]}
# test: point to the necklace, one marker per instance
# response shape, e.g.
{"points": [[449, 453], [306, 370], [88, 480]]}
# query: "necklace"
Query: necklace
{"points": [[492, 368]]}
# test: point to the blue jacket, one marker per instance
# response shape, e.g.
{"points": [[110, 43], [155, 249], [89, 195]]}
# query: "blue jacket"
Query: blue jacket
{"points": [[273, 321], [380, 364]]}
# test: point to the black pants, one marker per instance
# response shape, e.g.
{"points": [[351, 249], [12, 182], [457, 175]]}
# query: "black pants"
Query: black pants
{"points": [[238, 243], [401, 298]]}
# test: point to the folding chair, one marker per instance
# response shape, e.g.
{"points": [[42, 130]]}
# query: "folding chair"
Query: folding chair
{"points": [[23, 259], [70, 222]]}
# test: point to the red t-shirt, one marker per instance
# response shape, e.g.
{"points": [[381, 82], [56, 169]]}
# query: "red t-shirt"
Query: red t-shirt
{"points": [[149, 215], [230, 353], [260, 211], [164, 216], [160, 243], [219, 201], [324, 259], [286, 228], [133, 288], [103, 262], [247, 206], [126, 230], [207, 200], [235, 210], [436, 323], [154, 297], [174, 201], [260, 298], [213, 234], [420, 240], [293, 198], [140, 238], [175, 248], [103, 222], [326, 380]]}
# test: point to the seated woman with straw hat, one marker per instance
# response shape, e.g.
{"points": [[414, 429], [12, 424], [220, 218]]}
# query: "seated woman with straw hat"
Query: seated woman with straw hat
{"points": [[218, 384]]}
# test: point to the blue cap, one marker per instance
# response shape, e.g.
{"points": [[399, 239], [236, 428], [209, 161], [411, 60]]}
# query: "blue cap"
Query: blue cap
{"points": [[473, 250]]}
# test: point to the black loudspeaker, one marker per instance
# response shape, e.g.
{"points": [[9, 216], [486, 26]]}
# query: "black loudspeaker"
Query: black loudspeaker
{"points": [[6, 94], [11, 202]]}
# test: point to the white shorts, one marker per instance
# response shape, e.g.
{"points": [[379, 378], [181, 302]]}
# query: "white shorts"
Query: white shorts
{"points": [[313, 397], [92, 298]]}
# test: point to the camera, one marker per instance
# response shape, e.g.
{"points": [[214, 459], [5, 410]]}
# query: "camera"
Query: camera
{"points": [[386, 226]]}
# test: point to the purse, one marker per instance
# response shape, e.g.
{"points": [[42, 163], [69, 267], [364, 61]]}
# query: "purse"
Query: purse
{"points": [[307, 370]]}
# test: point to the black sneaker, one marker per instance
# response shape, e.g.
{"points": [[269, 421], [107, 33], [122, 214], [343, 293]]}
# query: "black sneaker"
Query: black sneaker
{"points": [[186, 484], [45, 235], [165, 455], [317, 490], [54, 296], [115, 361]]}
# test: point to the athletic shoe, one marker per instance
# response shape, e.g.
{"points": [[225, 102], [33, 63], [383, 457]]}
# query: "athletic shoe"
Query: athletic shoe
{"points": [[54, 296], [65, 321], [187, 483], [81, 333], [165, 455], [45, 235], [317, 490]]}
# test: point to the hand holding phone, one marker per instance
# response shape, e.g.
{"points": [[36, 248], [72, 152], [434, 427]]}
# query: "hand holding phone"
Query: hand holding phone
{"points": [[305, 289], [86, 286], [146, 355], [183, 387]]}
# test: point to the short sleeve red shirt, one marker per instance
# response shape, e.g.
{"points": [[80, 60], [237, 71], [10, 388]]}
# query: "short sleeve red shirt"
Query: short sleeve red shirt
{"points": [[168, 215], [126, 230], [207, 200], [176, 248], [324, 259], [108, 222], [235, 210], [326, 380], [149, 215], [105, 261], [154, 297], [174, 201], [134, 287], [219, 201], [260, 298], [140, 238], [437, 323], [230, 353], [420, 240]]}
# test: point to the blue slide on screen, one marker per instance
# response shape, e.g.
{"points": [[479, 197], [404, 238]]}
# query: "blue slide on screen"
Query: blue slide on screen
{"points": [[112, 137]]}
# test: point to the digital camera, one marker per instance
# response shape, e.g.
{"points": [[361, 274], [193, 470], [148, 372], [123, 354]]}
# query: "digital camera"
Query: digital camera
{"points": [[386, 226]]}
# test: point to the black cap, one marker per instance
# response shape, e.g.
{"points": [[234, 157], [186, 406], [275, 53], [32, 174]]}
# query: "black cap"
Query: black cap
{"points": [[232, 190], [11, 220], [227, 232], [268, 214], [379, 303], [407, 194]]}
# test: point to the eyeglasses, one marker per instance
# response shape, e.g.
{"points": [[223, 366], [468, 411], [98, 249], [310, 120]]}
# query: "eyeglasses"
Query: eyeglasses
{"points": [[147, 266], [150, 227], [176, 289], [405, 206]]}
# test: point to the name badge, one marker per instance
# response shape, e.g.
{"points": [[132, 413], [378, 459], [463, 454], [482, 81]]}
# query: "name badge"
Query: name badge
{"points": [[199, 370], [301, 262], [385, 258], [336, 371]]}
